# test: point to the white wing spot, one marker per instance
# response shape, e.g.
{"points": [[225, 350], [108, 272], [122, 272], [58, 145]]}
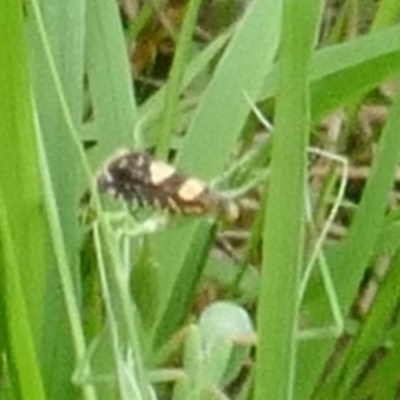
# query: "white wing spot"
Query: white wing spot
{"points": [[191, 189], [123, 163], [160, 171]]}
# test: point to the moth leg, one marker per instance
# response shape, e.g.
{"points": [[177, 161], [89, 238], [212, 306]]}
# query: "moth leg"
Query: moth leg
{"points": [[126, 223]]}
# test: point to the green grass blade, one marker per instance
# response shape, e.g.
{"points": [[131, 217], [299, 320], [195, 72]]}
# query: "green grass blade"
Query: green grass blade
{"points": [[123, 343], [175, 79], [49, 33], [387, 370], [153, 106], [22, 226], [223, 109], [22, 355], [178, 275], [339, 72], [283, 235], [349, 264], [64, 270], [388, 14], [110, 81], [373, 332]]}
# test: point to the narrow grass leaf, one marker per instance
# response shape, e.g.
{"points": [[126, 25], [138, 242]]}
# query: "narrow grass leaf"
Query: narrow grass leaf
{"points": [[175, 79], [341, 71], [374, 332], [64, 270], [386, 370], [349, 264], [57, 28], [223, 109], [22, 226], [283, 234], [153, 106], [388, 14], [179, 272], [110, 80], [22, 355]]}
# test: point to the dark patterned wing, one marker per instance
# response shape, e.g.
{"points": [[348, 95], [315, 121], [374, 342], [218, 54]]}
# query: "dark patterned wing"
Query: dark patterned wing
{"points": [[137, 177]]}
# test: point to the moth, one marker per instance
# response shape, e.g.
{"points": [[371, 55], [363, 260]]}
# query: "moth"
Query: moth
{"points": [[137, 177]]}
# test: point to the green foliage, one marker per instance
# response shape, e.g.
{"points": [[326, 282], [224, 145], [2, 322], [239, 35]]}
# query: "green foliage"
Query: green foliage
{"points": [[100, 303]]}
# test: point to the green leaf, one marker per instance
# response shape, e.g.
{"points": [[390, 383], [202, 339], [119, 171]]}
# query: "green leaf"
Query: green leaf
{"points": [[23, 233], [283, 235]]}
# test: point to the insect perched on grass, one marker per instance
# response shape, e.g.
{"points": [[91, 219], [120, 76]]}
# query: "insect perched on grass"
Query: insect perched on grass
{"points": [[137, 177]]}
